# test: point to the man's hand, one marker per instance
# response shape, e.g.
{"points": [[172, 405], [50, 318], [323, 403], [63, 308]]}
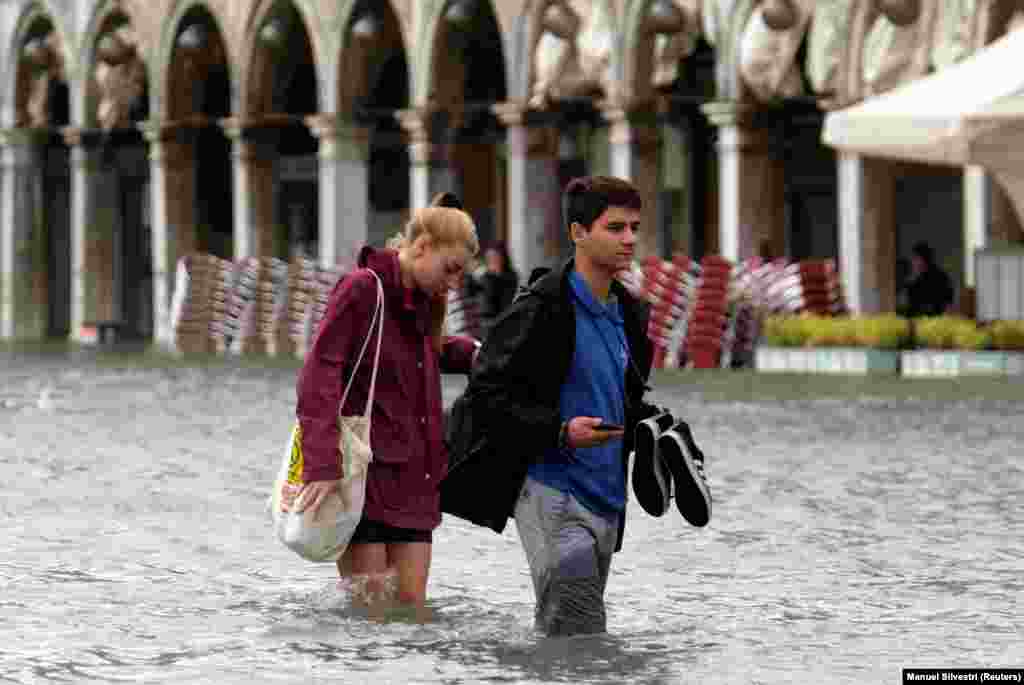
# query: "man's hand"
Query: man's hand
{"points": [[313, 494], [582, 434]]}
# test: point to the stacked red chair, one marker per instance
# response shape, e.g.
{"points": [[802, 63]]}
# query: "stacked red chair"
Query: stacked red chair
{"points": [[780, 290], [820, 288], [706, 328], [669, 286]]}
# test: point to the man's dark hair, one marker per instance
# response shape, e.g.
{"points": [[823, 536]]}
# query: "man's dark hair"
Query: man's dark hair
{"points": [[924, 251], [587, 198], [446, 199]]}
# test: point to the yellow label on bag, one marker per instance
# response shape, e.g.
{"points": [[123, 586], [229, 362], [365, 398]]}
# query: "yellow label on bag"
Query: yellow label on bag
{"points": [[295, 462]]}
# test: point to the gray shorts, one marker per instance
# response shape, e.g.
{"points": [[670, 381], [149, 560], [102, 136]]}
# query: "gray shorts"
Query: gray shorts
{"points": [[569, 549]]}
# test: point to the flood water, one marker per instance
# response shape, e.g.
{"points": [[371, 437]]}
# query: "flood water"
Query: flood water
{"points": [[851, 537]]}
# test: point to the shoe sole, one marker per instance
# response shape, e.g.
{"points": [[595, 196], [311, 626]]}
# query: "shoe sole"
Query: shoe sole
{"points": [[650, 482], [693, 499]]}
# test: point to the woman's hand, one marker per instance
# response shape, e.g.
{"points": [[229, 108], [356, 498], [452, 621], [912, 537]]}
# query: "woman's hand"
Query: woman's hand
{"points": [[313, 494], [582, 433]]}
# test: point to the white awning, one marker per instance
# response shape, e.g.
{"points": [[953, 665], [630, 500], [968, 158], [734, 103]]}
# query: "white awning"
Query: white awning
{"points": [[968, 113]]}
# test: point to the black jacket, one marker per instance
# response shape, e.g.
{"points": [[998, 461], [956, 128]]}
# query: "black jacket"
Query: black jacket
{"points": [[509, 414]]}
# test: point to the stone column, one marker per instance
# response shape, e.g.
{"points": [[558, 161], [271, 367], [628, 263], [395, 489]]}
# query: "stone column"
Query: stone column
{"points": [[535, 221], [344, 188], [635, 155], [867, 233], [254, 151], [173, 195], [23, 267], [430, 164], [977, 215], [751, 184], [94, 202]]}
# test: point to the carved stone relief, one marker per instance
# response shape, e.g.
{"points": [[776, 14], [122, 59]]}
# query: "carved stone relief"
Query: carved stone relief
{"points": [[43, 60], [954, 27], [828, 44], [768, 49], [120, 75], [573, 53], [897, 47], [676, 27]]}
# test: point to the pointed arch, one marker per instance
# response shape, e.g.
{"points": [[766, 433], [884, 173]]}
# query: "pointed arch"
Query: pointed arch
{"points": [[431, 44], [250, 69], [107, 15], [33, 15], [160, 65], [384, 53]]}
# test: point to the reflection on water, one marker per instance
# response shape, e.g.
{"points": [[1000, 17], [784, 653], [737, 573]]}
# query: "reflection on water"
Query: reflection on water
{"points": [[852, 537]]}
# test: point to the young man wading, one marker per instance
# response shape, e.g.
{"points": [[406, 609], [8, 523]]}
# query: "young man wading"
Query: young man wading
{"points": [[556, 403]]}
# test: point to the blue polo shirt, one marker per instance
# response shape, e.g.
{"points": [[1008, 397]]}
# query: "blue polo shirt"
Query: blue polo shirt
{"points": [[596, 386]]}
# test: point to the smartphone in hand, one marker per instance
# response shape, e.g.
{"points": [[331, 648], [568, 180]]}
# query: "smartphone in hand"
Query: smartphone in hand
{"points": [[608, 427]]}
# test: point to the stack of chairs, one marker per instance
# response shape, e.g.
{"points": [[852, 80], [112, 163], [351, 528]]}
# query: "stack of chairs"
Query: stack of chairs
{"points": [[821, 292], [669, 287], [199, 304], [302, 292], [706, 327], [323, 285], [241, 303]]}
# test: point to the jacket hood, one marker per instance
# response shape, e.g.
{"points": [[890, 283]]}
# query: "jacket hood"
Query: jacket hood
{"points": [[384, 262]]}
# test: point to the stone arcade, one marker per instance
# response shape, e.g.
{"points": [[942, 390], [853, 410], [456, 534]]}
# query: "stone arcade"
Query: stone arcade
{"points": [[137, 131]]}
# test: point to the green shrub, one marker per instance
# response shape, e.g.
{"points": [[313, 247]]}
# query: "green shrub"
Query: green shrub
{"points": [[785, 331], [885, 331], [1008, 335], [807, 330], [951, 333]]}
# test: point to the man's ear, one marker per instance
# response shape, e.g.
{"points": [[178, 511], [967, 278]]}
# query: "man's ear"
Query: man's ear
{"points": [[576, 231]]}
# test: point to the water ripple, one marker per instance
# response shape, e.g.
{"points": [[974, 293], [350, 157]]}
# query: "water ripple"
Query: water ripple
{"points": [[851, 537]]}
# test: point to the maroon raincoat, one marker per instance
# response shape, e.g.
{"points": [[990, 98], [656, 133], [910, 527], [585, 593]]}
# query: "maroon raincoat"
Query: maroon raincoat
{"points": [[406, 434]]}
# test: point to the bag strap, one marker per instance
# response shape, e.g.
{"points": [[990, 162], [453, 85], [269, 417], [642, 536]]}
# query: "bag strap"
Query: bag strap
{"points": [[378, 319]]}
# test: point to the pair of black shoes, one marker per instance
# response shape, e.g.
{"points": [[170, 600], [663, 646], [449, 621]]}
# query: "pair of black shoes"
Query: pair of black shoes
{"points": [[665, 448]]}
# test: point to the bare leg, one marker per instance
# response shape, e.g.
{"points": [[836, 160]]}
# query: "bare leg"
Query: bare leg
{"points": [[411, 560], [369, 564]]}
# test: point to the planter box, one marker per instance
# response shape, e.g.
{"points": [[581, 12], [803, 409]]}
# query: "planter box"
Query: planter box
{"points": [[944, 363], [836, 360]]}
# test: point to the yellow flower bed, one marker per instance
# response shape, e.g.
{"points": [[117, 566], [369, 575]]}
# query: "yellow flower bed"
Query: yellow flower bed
{"points": [[885, 331], [889, 331]]}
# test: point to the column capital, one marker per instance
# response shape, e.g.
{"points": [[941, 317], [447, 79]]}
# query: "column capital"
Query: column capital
{"points": [[417, 124], [333, 126], [75, 136], [340, 137], [632, 121], [179, 131], [727, 113]]}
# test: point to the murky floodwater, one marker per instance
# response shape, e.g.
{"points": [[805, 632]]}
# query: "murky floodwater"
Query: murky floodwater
{"points": [[850, 538]]}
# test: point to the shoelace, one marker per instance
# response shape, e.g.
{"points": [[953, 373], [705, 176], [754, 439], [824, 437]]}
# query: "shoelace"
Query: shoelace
{"points": [[699, 461]]}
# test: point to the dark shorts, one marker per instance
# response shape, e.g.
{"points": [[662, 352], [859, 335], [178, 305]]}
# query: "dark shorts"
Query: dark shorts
{"points": [[374, 532]]}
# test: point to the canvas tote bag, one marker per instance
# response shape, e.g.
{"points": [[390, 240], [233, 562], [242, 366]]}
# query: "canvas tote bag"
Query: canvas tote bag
{"points": [[323, 537]]}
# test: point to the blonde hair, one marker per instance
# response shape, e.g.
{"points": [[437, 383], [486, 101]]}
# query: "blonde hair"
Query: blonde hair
{"points": [[443, 226]]}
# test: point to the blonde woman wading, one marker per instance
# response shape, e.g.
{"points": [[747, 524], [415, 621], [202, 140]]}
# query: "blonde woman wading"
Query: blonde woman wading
{"points": [[419, 267]]}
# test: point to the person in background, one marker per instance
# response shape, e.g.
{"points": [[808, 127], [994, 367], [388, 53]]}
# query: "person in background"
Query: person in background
{"points": [[499, 283], [929, 290], [391, 547]]}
